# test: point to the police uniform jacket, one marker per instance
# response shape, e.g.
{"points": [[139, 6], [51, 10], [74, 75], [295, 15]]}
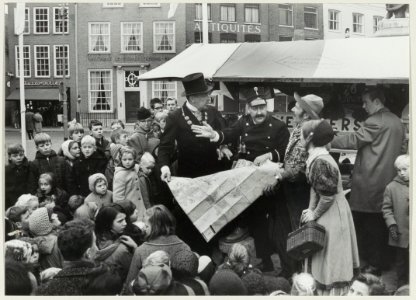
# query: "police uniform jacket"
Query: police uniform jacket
{"points": [[270, 136], [196, 156]]}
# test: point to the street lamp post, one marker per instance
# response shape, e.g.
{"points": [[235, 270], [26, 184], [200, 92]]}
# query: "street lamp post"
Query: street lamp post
{"points": [[63, 15]]}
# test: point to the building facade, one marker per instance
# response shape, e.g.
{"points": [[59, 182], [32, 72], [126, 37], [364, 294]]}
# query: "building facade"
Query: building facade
{"points": [[48, 50], [352, 20], [255, 22]]}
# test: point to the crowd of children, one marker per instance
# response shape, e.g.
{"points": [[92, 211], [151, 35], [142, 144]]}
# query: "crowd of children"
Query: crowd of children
{"points": [[87, 221]]}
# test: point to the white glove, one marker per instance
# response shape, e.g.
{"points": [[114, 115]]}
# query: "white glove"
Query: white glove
{"points": [[224, 151], [165, 174]]}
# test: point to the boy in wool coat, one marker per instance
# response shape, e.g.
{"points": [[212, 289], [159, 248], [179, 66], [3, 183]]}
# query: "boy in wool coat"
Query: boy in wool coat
{"points": [[89, 163], [46, 160], [396, 214], [18, 175]]}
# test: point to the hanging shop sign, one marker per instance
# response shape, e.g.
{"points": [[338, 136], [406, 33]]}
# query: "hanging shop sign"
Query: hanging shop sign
{"points": [[230, 27]]}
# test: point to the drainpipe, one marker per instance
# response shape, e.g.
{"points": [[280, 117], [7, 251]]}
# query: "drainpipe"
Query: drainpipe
{"points": [[78, 105]]}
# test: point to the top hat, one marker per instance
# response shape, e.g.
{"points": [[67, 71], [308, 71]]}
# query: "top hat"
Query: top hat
{"points": [[196, 84], [312, 104]]}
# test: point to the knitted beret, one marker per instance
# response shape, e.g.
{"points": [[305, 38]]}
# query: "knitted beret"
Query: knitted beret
{"points": [[152, 280], [15, 212], [226, 282], [39, 223], [184, 263], [143, 114], [92, 180], [254, 283], [18, 250]]}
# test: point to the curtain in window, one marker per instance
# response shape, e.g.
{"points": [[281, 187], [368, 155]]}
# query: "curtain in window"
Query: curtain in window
{"points": [[133, 43], [97, 38], [100, 90], [164, 44]]}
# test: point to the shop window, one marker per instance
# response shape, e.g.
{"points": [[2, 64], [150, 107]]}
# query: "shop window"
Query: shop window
{"points": [[61, 54], [285, 15], [311, 17], [100, 90], [376, 21], [333, 20], [26, 61], [285, 38], [41, 20], [252, 38], [42, 64], [357, 23], [228, 38], [164, 89], [198, 37], [227, 13], [251, 13], [198, 12], [60, 19], [164, 37], [132, 37], [99, 37]]}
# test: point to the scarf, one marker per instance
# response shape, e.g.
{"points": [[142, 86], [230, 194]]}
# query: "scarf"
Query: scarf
{"points": [[314, 153]]}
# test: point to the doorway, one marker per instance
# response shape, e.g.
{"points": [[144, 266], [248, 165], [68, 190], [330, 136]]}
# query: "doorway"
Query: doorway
{"points": [[132, 104]]}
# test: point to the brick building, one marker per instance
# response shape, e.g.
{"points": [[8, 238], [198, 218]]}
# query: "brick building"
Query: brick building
{"points": [[48, 45], [259, 22]]}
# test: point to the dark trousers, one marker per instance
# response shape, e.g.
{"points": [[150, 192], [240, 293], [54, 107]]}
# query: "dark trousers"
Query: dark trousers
{"points": [[402, 266], [372, 238], [30, 134]]}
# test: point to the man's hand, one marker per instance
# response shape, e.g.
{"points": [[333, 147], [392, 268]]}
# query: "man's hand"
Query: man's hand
{"points": [[224, 151], [165, 174], [128, 241], [204, 131], [394, 232], [270, 189], [261, 159]]}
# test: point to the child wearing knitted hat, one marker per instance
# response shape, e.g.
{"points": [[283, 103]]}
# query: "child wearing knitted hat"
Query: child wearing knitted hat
{"points": [[119, 138], [41, 228], [99, 192]]}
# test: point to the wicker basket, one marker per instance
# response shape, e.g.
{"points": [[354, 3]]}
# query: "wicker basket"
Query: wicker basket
{"points": [[305, 241]]}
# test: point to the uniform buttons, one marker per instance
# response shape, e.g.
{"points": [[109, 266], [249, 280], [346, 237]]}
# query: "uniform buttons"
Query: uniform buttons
{"points": [[246, 134], [248, 152], [267, 147], [270, 124], [246, 124], [268, 138]]}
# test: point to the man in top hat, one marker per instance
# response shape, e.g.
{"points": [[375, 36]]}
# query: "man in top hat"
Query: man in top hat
{"points": [[265, 137], [195, 156], [143, 133], [292, 177]]}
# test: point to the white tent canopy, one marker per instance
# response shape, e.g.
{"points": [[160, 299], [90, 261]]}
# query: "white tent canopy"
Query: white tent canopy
{"points": [[198, 58]]}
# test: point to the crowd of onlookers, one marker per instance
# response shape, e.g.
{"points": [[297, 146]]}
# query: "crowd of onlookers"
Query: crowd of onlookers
{"points": [[90, 219]]}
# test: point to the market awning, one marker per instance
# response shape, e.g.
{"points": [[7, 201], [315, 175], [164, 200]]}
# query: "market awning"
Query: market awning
{"points": [[378, 60], [36, 94], [197, 58]]}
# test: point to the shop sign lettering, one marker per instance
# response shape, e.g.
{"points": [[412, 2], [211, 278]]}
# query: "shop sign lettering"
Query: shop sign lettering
{"points": [[230, 27], [127, 58], [42, 83], [346, 124]]}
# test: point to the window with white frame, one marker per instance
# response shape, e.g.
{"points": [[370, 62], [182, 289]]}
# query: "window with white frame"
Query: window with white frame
{"points": [[310, 16], [99, 37], [60, 19], [333, 20], [376, 21], [251, 13], [285, 14], [149, 5], [27, 21], [198, 11], [100, 90], [61, 54], [41, 20], [357, 23], [112, 4], [42, 63], [26, 61], [227, 13], [164, 89], [164, 38], [131, 37]]}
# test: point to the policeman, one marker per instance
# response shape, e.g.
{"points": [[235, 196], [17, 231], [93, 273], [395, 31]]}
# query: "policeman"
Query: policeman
{"points": [[264, 137]]}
